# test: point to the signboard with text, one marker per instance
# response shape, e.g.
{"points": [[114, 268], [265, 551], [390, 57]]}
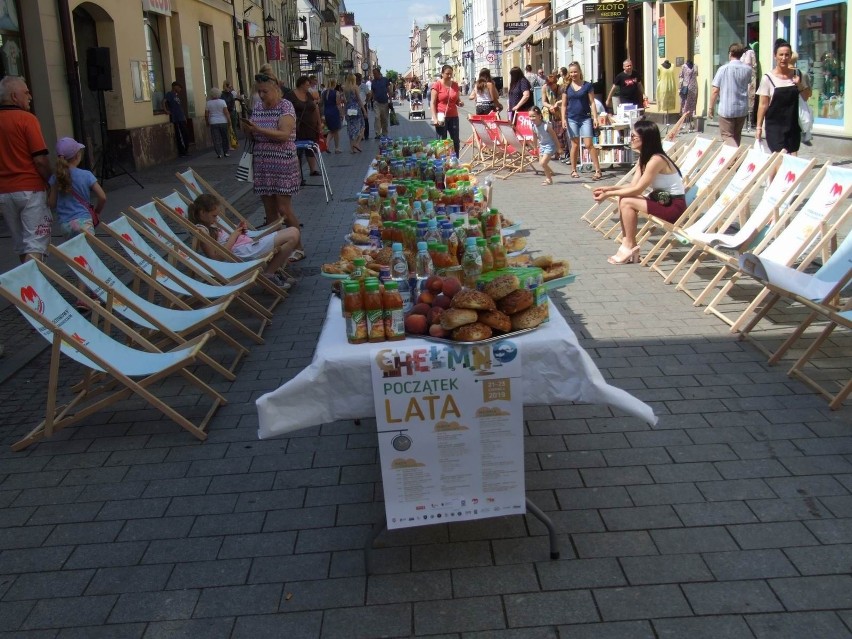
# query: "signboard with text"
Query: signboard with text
{"points": [[450, 431], [514, 28], [604, 12]]}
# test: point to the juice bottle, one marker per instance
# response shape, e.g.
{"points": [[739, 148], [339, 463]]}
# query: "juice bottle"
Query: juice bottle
{"points": [[359, 271], [442, 258], [498, 252], [374, 311], [353, 313], [394, 318], [471, 263], [485, 253], [458, 227]]}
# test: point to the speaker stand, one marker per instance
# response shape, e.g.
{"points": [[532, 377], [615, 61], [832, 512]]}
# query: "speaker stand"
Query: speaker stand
{"points": [[107, 167]]}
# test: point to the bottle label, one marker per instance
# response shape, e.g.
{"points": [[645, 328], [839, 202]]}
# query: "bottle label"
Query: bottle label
{"points": [[394, 323], [400, 268], [356, 327], [375, 325]]}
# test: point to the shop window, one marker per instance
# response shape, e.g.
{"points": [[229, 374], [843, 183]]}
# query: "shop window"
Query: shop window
{"points": [[205, 36], [822, 55], [154, 57], [11, 48], [729, 26]]}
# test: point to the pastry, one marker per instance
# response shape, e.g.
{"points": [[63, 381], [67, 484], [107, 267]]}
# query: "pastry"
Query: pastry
{"points": [[455, 317], [349, 252], [516, 301], [496, 320], [529, 318], [514, 244], [555, 270], [472, 332], [469, 298], [543, 261], [500, 287]]}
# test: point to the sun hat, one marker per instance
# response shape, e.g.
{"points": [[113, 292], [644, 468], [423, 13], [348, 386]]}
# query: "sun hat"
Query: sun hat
{"points": [[68, 147]]}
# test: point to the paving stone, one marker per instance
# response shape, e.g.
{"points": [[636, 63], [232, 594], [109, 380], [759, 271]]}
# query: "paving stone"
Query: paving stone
{"points": [[840, 506], [751, 468], [105, 555], [813, 486], [735, 489], [328, 539], [84, 533], [12, 614], [612, 630], [701, 453], [599, 497], [814, 593], [641, 602], [294, 625], [230, 524], [65, 513], [191, 628], [731, 597], [33, 559], [108, 581], [393, 620], [772, 535], [257, 545], [665, 569], [201, 505], [659, 494], [238, 600], [688, 472], [640, 517], [816, 465], [580, 573], [787, 509], [323, 594], [289, 568], [133, 509], [821, 560], [154, 606], [796, 625], [69, 611], [716, 513], [460, 554], [206, 574], [550, 608], [493, 580], [729, 627], [172, 527], [614, 544], [109, 631], [47, 585], [164, 551], [749, 564], [625, 475], [832, 531], [688, 540], [458, 615], [637, 456], [299, 518]]}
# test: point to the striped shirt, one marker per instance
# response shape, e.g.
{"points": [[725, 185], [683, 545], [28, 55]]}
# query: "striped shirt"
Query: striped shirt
{"points": [[732, 80]]}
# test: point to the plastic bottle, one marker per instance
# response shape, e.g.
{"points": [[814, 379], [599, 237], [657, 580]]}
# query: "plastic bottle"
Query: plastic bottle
{"points": [[375, 313], [471, 263], [498, 252], [394, 317], [432, 232], [359, 271], [375, 232], [421, 231], [485, 253], [458, 227], [353, 313], [423, 266], [399, 274], [429, 213], [417, 210], [452, 242]]}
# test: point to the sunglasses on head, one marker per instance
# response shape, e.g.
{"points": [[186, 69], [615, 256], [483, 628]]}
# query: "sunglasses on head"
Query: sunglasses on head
{"points": [[262, 77]]}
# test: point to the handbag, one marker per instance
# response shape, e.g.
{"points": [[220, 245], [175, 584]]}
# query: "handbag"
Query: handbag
{"points": [[806, 118], [91, 209], [232, 137], [684, 91], [394, 119], [245, 168], [661, 197]]}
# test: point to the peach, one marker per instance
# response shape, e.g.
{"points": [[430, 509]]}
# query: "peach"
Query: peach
{"points": [[426, 297], [416, 324], [435, 283], [420, 309], [436, 331], [451, 286], [434, 315], [441, 301]]}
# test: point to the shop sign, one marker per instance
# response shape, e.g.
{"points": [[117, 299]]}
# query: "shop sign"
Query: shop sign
{"points": [[158, 6], [273, 48], [515, 28], [450, 431], [604, 12]]}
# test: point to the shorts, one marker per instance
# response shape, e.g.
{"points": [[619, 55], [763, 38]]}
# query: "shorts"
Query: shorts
{"points": [[580, 129], [258, 249], [29, 221], [546, 149], [668, 212], [76, 226]]}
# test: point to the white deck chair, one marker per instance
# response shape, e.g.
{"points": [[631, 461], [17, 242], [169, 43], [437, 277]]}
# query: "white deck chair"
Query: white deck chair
{"points": [[773, 202], [178, 325], [490, 144], [150, 262], [739, 189], [111, 364], [516, 157], [783, 282], [789, 241]]}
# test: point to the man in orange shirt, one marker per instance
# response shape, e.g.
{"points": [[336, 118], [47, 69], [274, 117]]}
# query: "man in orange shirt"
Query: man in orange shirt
{"points": [[24, 171]]}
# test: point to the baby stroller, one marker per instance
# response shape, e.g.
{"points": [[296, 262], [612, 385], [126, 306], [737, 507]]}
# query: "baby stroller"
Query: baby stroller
{"points": [[415, 105]]}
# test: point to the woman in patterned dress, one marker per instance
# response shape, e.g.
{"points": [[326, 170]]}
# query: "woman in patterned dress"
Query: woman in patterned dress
{"points": [[276, 169], [354, 123]]}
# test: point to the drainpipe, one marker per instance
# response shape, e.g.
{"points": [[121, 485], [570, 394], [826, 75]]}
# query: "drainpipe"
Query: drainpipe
{"points": [[71, 70]]}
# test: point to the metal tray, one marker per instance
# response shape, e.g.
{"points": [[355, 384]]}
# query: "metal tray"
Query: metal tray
{"points": [[496, 338], [559, 282]]}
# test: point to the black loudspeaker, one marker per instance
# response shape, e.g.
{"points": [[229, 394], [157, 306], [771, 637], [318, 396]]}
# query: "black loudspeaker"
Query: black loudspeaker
{"points": [[99, 69]]}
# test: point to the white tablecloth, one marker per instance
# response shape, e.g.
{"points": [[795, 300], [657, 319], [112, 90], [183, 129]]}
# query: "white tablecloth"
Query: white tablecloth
{"points": [[337, 385]]}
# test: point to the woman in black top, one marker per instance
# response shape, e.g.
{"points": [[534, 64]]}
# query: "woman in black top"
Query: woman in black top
{"points": [[520, 92]]}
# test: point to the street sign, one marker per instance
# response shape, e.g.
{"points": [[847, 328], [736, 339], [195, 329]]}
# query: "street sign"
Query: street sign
{"points": [[491, 57]]}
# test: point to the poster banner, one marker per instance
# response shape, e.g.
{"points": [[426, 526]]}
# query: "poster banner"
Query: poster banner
{"points": [[273, 48], [450, 431]]}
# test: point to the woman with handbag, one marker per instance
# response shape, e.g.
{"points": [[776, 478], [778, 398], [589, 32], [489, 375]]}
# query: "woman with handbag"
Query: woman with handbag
{"points": [[485, 94], [355, 113], [446, 100], [778, 106], [276, 170], [655, 170]]}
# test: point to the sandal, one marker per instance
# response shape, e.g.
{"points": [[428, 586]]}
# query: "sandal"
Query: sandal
{"points": [[597, 176], [297, 256], [547, 182], [574, 174]]}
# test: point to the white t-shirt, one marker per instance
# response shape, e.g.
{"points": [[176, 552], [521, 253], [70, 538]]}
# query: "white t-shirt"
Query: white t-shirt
{"points": [[216, 110]]}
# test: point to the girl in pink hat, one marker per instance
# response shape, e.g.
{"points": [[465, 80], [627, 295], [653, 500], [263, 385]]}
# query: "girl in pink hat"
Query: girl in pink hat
{"points": [[71, 189]]}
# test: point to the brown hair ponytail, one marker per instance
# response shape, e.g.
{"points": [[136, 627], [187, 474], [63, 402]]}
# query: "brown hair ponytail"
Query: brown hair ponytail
{"points": [[204, 203]]}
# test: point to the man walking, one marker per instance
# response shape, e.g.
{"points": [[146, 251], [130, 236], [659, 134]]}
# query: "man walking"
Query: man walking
{"points": [[24, 171], [380, 91], [363, 91], [174, 108], [730, 88], [531, 77], [630, 86]]}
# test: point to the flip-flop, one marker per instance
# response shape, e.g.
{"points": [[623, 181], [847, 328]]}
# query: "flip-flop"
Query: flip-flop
{"points": [[597, 176], [297, 256], [574, 174]]}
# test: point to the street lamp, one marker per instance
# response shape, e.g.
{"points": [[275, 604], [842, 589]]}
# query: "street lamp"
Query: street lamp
{"points": [[270, 24]]}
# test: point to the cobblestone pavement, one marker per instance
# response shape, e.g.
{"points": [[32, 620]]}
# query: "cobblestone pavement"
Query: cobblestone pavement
{"points": [[730, 518]]}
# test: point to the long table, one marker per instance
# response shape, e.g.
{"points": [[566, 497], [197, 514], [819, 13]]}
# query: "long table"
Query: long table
{"points": [[337, 384]]}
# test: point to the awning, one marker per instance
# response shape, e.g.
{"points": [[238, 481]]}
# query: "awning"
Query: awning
{"points": [[316, 54], [521, 39], [542, 32]]}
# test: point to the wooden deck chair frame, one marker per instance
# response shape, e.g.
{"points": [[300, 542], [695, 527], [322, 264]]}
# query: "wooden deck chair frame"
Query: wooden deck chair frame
{"points": [[175, 299], [155, 265], [777, 196], [186, 257], [490, 146], [515, 159], [104, 382], [823, 288], [729, 202], [821, 231], [191, 180], [177, 326]]}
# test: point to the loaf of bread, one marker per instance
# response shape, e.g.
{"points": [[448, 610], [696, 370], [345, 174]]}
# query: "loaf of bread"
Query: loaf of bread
{"points": [[500, 287], [455, 317], [476, 300], [496, 320], [472, 332], [516, 301], [529, 318]]}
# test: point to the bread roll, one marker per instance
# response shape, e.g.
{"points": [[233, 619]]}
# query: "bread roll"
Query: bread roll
{"points": [[476, 300], [555, 270], [516, 301], [500, 287], [496, 320], [472, 332], [543, 261], [455, 317], [529, 318]]}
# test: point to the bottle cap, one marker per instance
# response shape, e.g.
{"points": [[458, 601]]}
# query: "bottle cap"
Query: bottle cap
{"points": [[480, 241], [471, 241], [351, 287], [433, 223], [396, 247], [421, 246], [391, 285], [371, 285], [442, 248], [495, 239], [359, 261]]}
